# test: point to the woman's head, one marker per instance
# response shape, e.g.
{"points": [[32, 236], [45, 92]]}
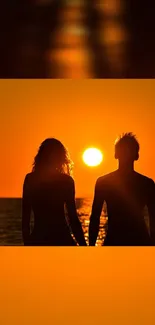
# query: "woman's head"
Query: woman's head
{"points": [[53, 156]]}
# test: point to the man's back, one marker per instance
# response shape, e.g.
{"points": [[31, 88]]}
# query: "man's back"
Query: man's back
{"points": [[126, 194]]}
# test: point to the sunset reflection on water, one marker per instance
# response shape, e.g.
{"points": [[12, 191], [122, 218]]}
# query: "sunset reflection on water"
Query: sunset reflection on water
{"points": [[84, 211], [10, 220], [69, 39], [78, 39]]}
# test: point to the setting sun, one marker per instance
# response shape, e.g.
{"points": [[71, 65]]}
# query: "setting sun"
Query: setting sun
{"points": [[92, 157]]}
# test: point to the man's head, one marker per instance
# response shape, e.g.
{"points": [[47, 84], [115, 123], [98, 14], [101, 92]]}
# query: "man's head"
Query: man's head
{"points": [[127, 148]]}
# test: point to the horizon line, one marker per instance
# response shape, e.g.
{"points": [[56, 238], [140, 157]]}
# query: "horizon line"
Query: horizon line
{"points": [[20, 197]]}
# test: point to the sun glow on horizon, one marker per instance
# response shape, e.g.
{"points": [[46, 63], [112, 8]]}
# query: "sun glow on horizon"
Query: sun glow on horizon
{"points": [[92, 157]]}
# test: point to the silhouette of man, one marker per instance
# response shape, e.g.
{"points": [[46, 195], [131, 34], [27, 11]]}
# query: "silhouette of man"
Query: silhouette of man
{"points": [[126, 193]]}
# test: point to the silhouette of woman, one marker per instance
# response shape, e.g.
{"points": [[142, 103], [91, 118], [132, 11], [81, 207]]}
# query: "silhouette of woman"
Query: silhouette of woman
{"points": [[46, 192]]}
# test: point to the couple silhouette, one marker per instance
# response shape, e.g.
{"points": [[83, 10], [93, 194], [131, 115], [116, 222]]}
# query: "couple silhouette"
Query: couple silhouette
{"points": [[49, 192]]}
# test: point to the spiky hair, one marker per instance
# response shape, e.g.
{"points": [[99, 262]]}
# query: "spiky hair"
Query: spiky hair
{"points": [[127, 140]]}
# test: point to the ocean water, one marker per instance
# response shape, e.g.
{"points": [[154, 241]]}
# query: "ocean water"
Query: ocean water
{"points": [[10, 220]]}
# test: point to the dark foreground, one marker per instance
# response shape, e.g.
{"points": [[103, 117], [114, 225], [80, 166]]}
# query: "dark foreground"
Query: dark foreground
{"points": [[77, 39]]}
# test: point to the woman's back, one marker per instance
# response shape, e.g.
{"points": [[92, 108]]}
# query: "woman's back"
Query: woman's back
{"points": [[48, 197], [46, 191]]}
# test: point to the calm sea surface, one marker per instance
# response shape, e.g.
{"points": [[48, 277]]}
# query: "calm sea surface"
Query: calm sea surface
{"points": [[10, 220]]}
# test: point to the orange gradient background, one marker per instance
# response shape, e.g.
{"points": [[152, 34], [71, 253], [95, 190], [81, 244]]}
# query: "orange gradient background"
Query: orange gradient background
{"points": [[81, 113], [77, 286]]}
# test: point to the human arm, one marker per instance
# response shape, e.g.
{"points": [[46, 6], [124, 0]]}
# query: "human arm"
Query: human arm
{"points": [[95, 214], [26, 212], [151, 210], [72, 214]]}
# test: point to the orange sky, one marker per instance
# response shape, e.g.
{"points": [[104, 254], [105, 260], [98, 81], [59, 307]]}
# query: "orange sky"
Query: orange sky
{"points": [[80, 113]]}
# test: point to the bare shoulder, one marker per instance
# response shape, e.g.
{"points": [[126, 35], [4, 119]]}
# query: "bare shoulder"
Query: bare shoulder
{"points": [[148, 181], [68, 179], [106, 178], [28, 178], [68, 185]]}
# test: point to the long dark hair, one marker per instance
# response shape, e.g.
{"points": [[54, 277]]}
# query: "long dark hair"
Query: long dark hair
{"points": [[52, 154]]}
